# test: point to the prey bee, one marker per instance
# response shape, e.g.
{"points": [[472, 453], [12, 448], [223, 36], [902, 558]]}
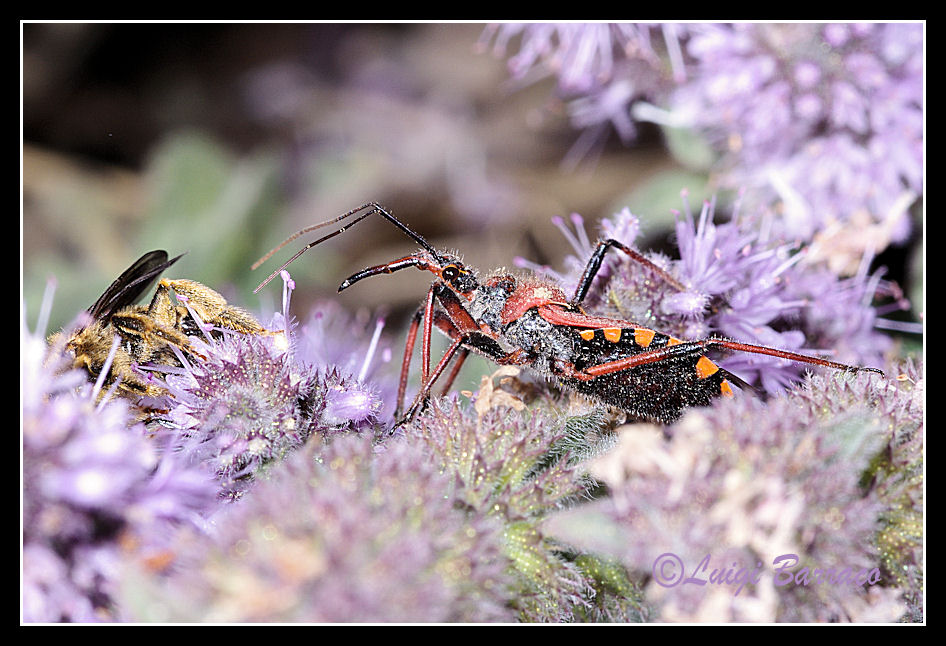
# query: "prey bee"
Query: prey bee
{"points": [[148, 334]]}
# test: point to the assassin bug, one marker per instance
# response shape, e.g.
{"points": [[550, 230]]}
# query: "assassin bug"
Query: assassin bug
{"points": [[531, 322]]}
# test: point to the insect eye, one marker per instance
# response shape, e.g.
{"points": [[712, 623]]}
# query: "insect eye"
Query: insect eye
{"points": [[450, 272]]}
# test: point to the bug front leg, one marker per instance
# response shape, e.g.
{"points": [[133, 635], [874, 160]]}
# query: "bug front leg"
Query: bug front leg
{"points": [[406, 363], [450, 323], [425, 339], [461, 344], [457, 365], [425, 314], [465, 335], [421, 399], [594, 265]]}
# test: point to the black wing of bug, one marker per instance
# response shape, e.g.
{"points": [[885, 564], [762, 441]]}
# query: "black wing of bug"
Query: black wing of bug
{"points": [[131, 284]]}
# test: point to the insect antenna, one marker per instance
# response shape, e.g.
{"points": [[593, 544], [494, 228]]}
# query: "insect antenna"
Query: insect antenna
{"points": [[373, 207]]}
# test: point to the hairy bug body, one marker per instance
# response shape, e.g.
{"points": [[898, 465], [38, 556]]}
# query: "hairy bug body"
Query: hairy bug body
{"points": [[531, 322]]}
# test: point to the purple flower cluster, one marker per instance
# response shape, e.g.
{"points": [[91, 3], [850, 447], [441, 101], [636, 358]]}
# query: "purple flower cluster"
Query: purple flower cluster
{"points": [[827, 118], [96, 490], [253, 399], [518, 468], [343, 532], [739, 284], [748, 481], [102, 488], [242, 408], [824, 122]]}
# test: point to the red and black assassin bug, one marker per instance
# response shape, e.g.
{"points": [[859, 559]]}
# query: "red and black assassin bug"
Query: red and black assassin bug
{"points": [[531, 322]]}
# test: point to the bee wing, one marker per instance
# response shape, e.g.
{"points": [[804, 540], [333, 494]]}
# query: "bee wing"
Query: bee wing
{"points": [[131, 284]]}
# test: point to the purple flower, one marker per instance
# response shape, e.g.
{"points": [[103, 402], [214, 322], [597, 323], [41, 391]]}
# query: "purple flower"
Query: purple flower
{"points": [[582, 56], [242, 408], [93, 485], [823, 123], [749, 481], [353, 346], [825, 119], [344, 532], [740, 284], [346, 403], [249, 404], [602, 69], [351, 352], [251, 400], [519, 468]]}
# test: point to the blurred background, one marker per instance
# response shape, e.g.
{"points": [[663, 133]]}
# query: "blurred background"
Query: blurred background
{"points": [[220, 140]]}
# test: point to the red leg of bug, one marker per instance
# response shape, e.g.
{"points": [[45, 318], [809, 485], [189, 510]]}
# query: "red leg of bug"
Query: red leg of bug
{"points": [[406, 364], [784, 354], [465, 335], [642, 358], [425, 341], [427, 314], [456, 346], [448, 383], [421, 397], [443, 322], [457, 323], [693, 348]]}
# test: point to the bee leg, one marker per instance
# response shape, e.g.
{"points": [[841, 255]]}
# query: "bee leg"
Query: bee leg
{"points": [[162, 309], [149, 335], [210, 306], [133, 381]]}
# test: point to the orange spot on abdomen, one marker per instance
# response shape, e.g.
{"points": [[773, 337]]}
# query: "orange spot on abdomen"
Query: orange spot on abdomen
{"points": [[643, 336], [705, 367], [612, 334]]}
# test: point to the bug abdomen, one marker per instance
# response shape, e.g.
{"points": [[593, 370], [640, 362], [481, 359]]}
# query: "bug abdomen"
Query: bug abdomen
{"points": [[652, 391]]}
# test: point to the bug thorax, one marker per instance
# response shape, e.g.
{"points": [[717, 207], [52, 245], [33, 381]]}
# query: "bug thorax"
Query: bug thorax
{"points": [[489, 300], [529, 294]]}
